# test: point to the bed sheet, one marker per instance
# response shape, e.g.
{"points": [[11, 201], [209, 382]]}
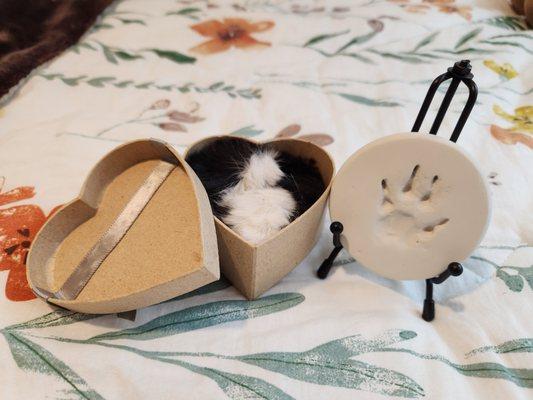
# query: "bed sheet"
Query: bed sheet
{"points": [[339, 73]]}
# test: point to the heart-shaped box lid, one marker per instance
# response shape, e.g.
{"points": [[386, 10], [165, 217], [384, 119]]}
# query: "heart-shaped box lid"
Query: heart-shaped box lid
{"points": [[410, 205], [140, 232]]}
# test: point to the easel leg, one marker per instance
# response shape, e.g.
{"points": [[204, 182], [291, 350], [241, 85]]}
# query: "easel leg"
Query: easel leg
{"points": [[336, 228], [326, 265], [428, 313]]}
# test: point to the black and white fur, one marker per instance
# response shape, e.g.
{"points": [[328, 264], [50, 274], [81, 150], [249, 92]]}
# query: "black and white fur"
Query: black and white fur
{"points": [[254, 189]]}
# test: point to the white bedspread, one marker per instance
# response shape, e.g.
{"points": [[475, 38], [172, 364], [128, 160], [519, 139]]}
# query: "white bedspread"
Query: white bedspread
{"points": [[338, 72]]}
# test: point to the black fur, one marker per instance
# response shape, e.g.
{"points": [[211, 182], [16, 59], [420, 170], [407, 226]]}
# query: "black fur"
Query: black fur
{"points": [[302, 179], [220, 163]]}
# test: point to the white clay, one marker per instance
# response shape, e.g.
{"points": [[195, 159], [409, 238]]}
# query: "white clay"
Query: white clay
{"points": [[410, 205]]}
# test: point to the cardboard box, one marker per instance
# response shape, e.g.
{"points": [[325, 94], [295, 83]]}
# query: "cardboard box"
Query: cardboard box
{"points": [[253, 269], [128, 241], [142, 232]]}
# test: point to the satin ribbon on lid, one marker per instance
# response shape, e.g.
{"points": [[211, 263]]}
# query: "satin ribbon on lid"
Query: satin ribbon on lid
{"points": [[81, 275]]}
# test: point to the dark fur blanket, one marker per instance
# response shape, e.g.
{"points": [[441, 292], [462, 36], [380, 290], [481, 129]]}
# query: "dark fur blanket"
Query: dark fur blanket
{"points": [[34, 31]]}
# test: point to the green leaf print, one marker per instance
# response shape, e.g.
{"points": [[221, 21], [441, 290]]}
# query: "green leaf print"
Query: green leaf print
{"points": [[235, 386], [357, 40], [527, 49], [359, 57], [106, 81], [342, 349], [247, 131], [467, 37], [405, 57], [115, 54], [469, 44], [216, 86], [468, 50], [174, 56], [350, 374], [101, 26], [427, 40], [330, 364], [320, 38], [124, 55], [522, 377], [507, 22], [56, 318], [123, 84], [184, 11], [513, 282], [29, 356], [131, 21], [527, 274], [109, 55], [205, 315], [74, 81], [512, 35], [238, 387], [100, 81], [367, 101], [376, 25], [327, 364], [187, 12], [523, 345]]}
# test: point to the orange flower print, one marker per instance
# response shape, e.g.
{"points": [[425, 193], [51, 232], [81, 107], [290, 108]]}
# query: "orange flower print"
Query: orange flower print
{"points": [[522, 129], [445, 6], [465, 11], [229, 32], [18, 227]]}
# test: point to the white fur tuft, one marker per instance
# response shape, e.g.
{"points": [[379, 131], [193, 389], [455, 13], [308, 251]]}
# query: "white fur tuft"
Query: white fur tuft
{"points": [[262, 171], [259, 213], [256, 208]]}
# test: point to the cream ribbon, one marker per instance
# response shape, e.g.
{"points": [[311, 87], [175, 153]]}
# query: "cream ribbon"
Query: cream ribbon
{"points": [[90, 263]]}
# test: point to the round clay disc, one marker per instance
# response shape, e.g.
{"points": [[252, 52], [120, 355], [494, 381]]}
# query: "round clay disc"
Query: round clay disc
{"points": [[410, 204]]}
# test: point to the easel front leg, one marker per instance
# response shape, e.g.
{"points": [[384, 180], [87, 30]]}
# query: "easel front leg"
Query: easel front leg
{"points": [[336, 228], [454, 269]]}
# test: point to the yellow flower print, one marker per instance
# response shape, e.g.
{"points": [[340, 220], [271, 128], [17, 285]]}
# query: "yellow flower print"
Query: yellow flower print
{"points": [[522, 129], [522, 118], [505, 70]]}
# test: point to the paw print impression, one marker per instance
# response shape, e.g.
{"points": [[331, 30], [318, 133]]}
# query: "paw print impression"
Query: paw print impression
{"points": [[409, 214]]}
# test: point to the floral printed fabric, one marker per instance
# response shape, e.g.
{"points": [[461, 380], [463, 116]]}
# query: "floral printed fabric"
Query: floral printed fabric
{"points": [[339, 73]]}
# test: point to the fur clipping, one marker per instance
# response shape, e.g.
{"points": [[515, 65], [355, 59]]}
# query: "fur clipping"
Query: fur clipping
{"points": [[254, 189], [256, 207]]}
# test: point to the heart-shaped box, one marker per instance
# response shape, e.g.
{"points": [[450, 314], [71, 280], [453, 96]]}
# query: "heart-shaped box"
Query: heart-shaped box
{"points": [[140, 232], [253, 269]]}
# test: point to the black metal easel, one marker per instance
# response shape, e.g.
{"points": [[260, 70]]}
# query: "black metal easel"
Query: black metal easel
{"points": [[460, 72]]}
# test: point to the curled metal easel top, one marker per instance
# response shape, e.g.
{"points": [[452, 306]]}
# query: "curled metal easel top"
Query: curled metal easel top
{"points": [[460, 72]]}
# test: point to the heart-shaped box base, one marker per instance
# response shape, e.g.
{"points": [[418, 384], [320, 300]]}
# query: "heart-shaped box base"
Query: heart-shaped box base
{"points": [[253, 269], [169, 248]]}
